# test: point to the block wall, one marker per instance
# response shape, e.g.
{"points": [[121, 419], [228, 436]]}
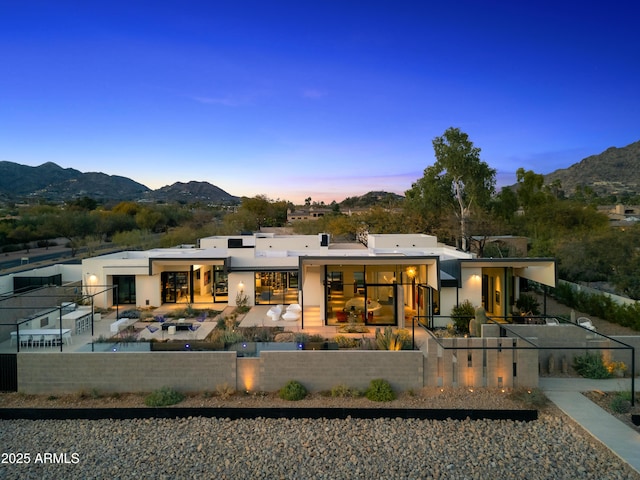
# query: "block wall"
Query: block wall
{"points": [[124, 372]]}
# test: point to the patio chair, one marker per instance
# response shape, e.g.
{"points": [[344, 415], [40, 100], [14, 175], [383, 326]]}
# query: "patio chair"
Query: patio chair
{"points": [[290, 316], [551, 321], [586, 323], [274, 313], [160, 318], [294, 307], [25, 340], [194, 328], [202, 317]]}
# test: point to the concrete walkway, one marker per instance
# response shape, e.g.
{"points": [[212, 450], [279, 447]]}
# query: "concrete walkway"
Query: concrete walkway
{"points": [[618, 437]]}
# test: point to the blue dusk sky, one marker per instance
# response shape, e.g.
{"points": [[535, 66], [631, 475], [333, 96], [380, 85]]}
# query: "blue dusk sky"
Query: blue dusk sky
{"points": [[321, 99]]}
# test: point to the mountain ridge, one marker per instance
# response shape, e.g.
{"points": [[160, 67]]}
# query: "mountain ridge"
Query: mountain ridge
{"points": [[615, 171]]}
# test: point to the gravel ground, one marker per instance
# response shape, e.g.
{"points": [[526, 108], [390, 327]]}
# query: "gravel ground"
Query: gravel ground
{"points": [[551, 447]]}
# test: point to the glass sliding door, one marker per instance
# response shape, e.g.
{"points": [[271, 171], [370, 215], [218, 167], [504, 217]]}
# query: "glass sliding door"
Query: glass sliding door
{"points": [[220, 284], [276, 288], [125, 293], [175, 287]]}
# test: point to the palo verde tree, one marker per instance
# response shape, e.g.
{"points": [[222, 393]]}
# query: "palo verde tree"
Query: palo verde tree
{"points": [[455, 184]]}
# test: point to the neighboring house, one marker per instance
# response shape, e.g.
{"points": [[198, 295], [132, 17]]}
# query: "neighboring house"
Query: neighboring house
{"points": [[621, 216], [391, 279], [306, 213]]}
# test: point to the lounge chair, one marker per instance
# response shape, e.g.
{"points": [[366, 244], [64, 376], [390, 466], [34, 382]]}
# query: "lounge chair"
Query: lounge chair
{"points": [[551, 321]]}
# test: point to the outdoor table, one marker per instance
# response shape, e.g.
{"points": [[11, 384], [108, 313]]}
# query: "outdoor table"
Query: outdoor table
{"points": [[47, 332]]}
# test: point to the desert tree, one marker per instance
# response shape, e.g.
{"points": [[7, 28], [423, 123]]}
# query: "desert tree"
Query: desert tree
{"points": [[457, 182]]}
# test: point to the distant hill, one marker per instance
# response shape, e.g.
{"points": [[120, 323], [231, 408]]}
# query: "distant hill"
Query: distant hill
{"points": [[615, 171], [370, 199], [52, 183], [192, 192]]}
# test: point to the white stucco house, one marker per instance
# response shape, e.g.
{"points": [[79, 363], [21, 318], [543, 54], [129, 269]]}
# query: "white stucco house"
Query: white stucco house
{"points": [[384, 282]]}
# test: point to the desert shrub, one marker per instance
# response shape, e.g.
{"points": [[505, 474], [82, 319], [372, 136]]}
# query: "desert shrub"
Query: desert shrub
{"points": [[258, 334], [163, 397], [293, 390], [221, 323], [343, 391], [316, 337], [215, 338], [129, 314], [242, 303], [621, 403], [301, 337], [225, 390], [346, 342], [368, 343], [404, 337], [230, 337], [284, 337], [93, 393], [461, 314], [530, 397], [590, 365], [380, 391], [353, 329]]}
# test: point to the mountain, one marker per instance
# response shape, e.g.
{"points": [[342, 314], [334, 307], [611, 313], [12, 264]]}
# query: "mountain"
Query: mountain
{"points": [[53, 183], [192, 192], [371, 199], [615, 171]]}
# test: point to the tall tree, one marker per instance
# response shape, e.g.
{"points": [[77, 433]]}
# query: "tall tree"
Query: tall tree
{"points": [[457, 182]]}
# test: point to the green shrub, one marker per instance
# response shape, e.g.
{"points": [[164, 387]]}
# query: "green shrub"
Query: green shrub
{"points": [[590, 365], [599, 305], [461, 315], [380, 391], [163, 397], [620, 404], [342, 391], [293, 390]]}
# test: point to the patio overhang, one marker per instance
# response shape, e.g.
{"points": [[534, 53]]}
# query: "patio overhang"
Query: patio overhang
{"points": [[156, 265], [541, 270]]}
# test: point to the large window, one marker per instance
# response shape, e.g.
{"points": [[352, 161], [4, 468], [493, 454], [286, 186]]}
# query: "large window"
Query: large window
{"points": [[361, 294], [276, 288]]}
